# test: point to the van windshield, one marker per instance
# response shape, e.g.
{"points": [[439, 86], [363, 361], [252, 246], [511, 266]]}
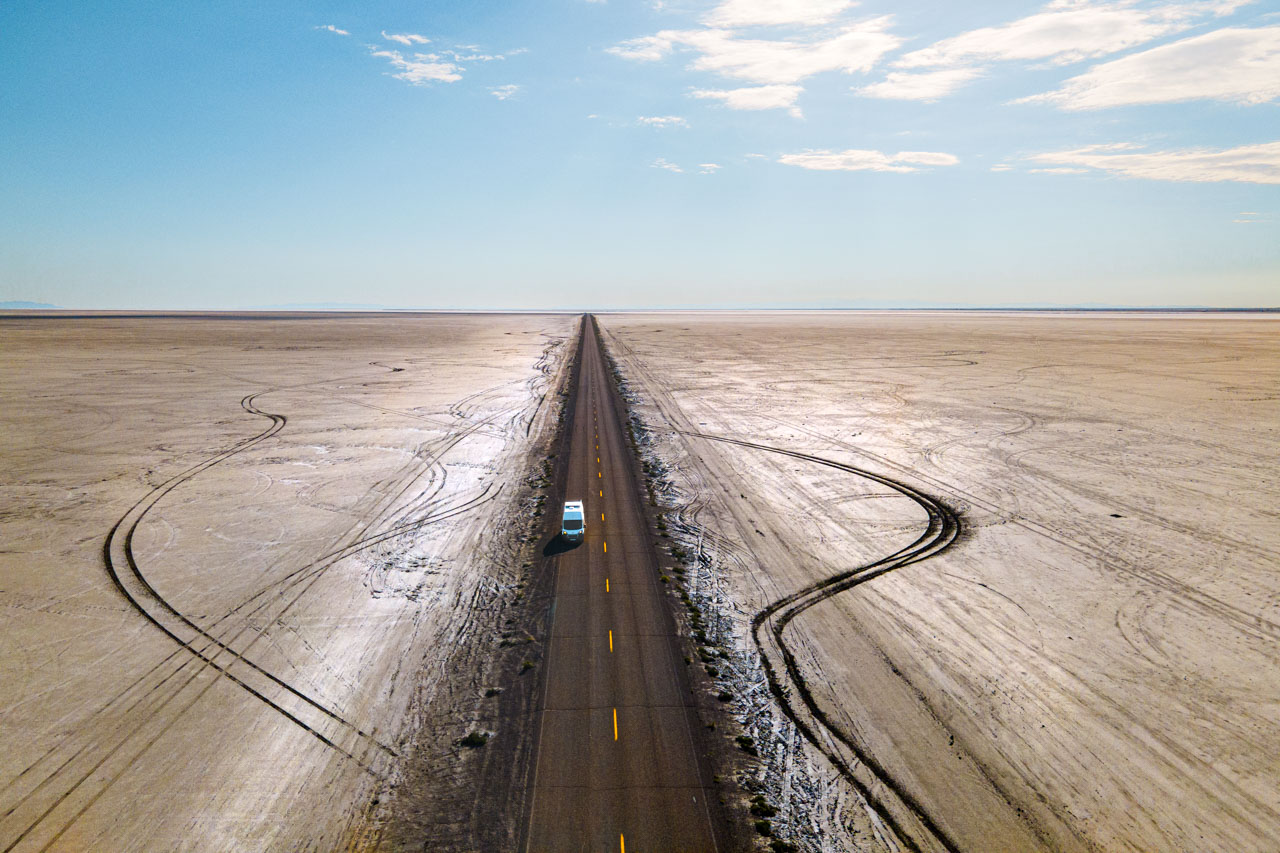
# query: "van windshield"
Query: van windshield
{"points": [[573, 524]]}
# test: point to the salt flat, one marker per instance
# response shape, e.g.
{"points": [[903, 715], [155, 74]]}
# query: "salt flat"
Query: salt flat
{"points": [[234, 553], [1093, 664]]}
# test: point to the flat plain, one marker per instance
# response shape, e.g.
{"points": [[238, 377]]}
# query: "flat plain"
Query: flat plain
{"points": [[1091, 663], [236, 554]]}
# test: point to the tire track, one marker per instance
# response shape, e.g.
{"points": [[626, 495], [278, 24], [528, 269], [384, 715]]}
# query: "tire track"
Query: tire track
{"points": [[768, 628], [132, 574], [127, 577]]}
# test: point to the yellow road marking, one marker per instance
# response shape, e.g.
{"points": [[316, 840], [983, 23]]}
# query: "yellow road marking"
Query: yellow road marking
{"points": [[611, 640], [622, 842], [602, 514], [597, 459], [615, 723], [606, 547], [600, 474], [606, 584], [602, 493]]}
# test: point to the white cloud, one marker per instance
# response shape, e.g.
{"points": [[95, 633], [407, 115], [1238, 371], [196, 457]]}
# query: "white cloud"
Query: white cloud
{"points": [[927, 86], [755, 97], [474, 57], [1060, 170], [504, 92], [1232, 64], [768, 13], [423, 68], [663, 163], [406, 39], [1001, 167], [662, 121], [770, 61], [644, 48], [856, 160], [1068, 31], [1254, 164], [708, 168], [331, 28]]}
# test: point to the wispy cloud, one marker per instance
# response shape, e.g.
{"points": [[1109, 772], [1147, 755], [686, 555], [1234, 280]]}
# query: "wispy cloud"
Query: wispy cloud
{"points": [[1253, 164], [708, 168], [927, 86], [662, 121], [331, 28], [770, 43], [472, 56], [1232, 64], [406, 39], [664, 163], [770, 13], [770, 61], [1252, 217], [421, 69], [502, 93], [755, 97], [1069, 31], [858, 160]]}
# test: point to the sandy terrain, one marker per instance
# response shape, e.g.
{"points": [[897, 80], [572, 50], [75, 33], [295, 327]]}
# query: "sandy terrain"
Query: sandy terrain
{"points": [[233, 555], [1091, 665]]}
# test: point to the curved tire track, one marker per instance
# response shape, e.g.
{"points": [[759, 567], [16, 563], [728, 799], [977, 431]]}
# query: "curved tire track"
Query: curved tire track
{"points": [[130, 575], [768, 628]]}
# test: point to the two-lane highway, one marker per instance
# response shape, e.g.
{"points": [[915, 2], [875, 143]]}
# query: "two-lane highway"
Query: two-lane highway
{"points": [[617, 763]]}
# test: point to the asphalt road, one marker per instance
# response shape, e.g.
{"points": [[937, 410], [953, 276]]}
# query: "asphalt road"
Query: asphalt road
{"points": [[616, 765]]}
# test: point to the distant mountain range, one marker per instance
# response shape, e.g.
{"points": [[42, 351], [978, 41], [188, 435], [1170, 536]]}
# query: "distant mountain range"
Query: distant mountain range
{"points": [[26, 306]]}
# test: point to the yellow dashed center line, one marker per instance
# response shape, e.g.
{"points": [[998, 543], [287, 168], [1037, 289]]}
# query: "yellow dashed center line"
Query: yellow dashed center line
{"points": [[622, 843], [602, 493], [611, 641], [606, 584], [615, 723], [606, 547], [602, 514]]}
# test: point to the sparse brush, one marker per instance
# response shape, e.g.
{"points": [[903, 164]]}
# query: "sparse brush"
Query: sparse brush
{"points": [[475, 739]]}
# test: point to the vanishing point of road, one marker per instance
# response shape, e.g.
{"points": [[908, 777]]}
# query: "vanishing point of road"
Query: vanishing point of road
{"points": [[617, 764]]}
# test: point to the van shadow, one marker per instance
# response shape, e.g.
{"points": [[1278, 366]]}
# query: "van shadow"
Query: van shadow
{"points": [[558, 545]]}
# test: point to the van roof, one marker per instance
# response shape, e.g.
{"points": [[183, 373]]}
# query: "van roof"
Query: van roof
{"points": [[568, 505]]}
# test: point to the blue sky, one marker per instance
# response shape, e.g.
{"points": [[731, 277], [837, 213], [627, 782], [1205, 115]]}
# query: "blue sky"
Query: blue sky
{"points": [[565, 153]]}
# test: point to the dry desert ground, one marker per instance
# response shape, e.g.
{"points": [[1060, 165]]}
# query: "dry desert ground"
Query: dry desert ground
{"points": [[1075, 647], [236, 556]]}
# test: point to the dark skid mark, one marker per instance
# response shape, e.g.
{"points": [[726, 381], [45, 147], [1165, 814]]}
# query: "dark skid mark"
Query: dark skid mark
{"points": [[943, 529]]}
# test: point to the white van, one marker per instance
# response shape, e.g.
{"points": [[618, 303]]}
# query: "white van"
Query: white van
{"points": [[573, 528]]}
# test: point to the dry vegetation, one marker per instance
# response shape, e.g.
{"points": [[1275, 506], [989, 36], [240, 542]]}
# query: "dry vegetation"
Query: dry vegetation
{"points": [[1091, 665]]}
